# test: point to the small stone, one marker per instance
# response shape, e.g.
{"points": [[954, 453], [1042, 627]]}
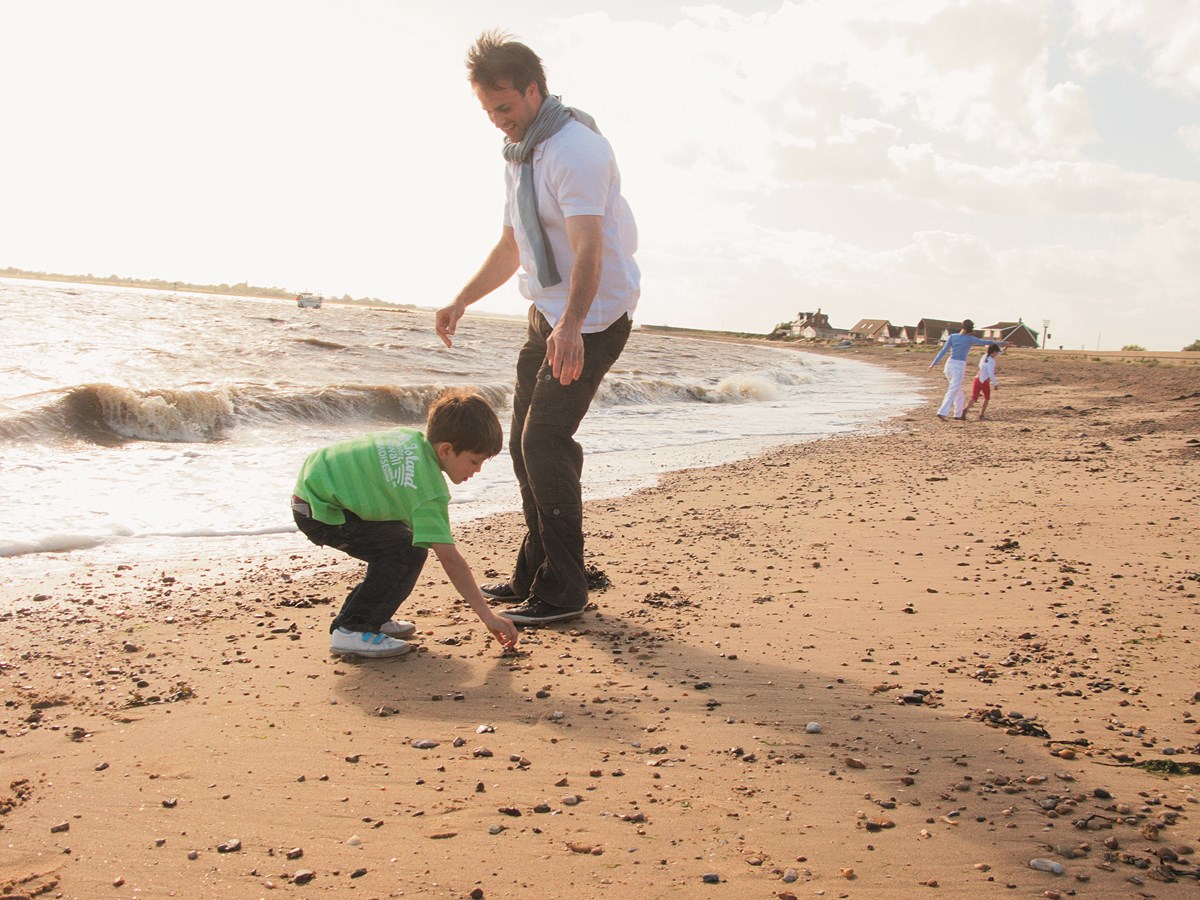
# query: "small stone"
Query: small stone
{"points": [[790, 875], [170, 803], [813, 728], [358, 873], [354, 840], [1047, 865], [193, 855], [424, 744], [710, 878], [233, 845], [303, 876], [60, 827]]}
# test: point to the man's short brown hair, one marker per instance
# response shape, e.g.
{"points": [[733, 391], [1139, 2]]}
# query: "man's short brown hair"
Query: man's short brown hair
{"points": [[496, 60], [466, 421]]}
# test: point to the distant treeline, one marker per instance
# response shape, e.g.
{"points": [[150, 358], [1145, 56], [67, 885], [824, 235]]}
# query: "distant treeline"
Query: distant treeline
{"points": [[697, 332], [241, 289]]}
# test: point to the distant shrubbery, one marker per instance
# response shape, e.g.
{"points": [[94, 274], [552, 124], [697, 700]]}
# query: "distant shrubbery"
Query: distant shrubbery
{"points": [[1132, 347], [1193, 347]]}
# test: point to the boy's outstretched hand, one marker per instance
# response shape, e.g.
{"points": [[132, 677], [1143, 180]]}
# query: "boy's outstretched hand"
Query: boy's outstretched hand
{"points": [[460, 576], [503, 630]]}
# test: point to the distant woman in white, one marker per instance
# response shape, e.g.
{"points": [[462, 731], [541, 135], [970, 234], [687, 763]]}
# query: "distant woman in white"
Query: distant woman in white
{"points": [[958, 346]]}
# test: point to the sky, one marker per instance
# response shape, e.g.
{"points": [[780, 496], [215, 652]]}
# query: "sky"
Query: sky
{"points": [[993, 159]]}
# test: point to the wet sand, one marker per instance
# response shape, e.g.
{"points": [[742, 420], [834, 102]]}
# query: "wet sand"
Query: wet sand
{"points": [[884, 665]]}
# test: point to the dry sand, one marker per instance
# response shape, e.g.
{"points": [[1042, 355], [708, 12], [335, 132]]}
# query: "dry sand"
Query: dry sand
{"points": [[1031, 580]]}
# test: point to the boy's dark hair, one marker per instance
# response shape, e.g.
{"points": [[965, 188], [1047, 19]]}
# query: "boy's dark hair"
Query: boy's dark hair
{"points": [[968, 326], [464, 419], [496, 58], [993, 348]]}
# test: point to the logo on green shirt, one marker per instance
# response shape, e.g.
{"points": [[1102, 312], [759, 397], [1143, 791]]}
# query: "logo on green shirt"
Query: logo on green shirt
{"points": [[398, 461]]}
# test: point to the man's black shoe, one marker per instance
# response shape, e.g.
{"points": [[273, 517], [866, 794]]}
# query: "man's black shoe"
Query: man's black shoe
{"points": [[500, 590], [537, 612]]}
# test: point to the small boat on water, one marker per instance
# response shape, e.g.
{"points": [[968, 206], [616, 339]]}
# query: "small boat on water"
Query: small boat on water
{"points": [[309, 301]]}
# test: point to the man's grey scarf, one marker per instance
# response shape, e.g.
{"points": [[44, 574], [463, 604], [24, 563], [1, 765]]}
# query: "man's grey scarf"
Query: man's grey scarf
{"points": [[551, 117]]}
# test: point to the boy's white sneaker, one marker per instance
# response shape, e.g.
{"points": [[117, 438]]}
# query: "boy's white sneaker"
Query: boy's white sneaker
{"points": [[397, 628], [369, 644]]}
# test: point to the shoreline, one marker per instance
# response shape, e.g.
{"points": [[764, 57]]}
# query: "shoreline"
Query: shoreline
{"points": [[702, 421], [1039, 565]]}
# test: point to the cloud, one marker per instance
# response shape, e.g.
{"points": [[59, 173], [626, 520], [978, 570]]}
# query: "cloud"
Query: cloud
{"points": [[1166, 32], [1190, 135]]}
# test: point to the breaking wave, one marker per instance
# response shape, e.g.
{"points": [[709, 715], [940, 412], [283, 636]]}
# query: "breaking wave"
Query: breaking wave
{"points": [[618, 390], [110, 414]]}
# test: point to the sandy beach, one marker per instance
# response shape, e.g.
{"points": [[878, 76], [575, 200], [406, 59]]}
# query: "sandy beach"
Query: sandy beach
{"points": [[945, 659]]}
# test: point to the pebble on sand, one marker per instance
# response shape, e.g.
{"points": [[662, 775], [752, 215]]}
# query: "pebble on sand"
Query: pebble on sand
{"points": [[1047, 865]]}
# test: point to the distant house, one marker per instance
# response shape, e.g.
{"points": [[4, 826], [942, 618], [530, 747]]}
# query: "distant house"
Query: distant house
{"points": [[815, 326], [908, 334], [1017, 333], [878, 330], [934, 331]]}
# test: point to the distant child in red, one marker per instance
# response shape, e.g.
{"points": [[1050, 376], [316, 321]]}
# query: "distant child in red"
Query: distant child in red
{"points": [[985, 380]]}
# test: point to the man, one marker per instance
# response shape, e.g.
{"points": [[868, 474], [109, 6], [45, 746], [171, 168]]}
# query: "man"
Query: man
{"points": [[568, 228]]}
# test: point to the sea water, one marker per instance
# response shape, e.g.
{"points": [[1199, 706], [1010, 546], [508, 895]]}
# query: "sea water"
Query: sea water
{"points": [[151, 424]]}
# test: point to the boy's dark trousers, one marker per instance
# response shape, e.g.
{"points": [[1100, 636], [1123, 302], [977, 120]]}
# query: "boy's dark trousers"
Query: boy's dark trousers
{"points": [[548, 462], [393, 565]]}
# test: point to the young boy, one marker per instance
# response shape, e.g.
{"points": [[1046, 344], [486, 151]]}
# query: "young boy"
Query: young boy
{"points": [[382, 498], [985, 380]]}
